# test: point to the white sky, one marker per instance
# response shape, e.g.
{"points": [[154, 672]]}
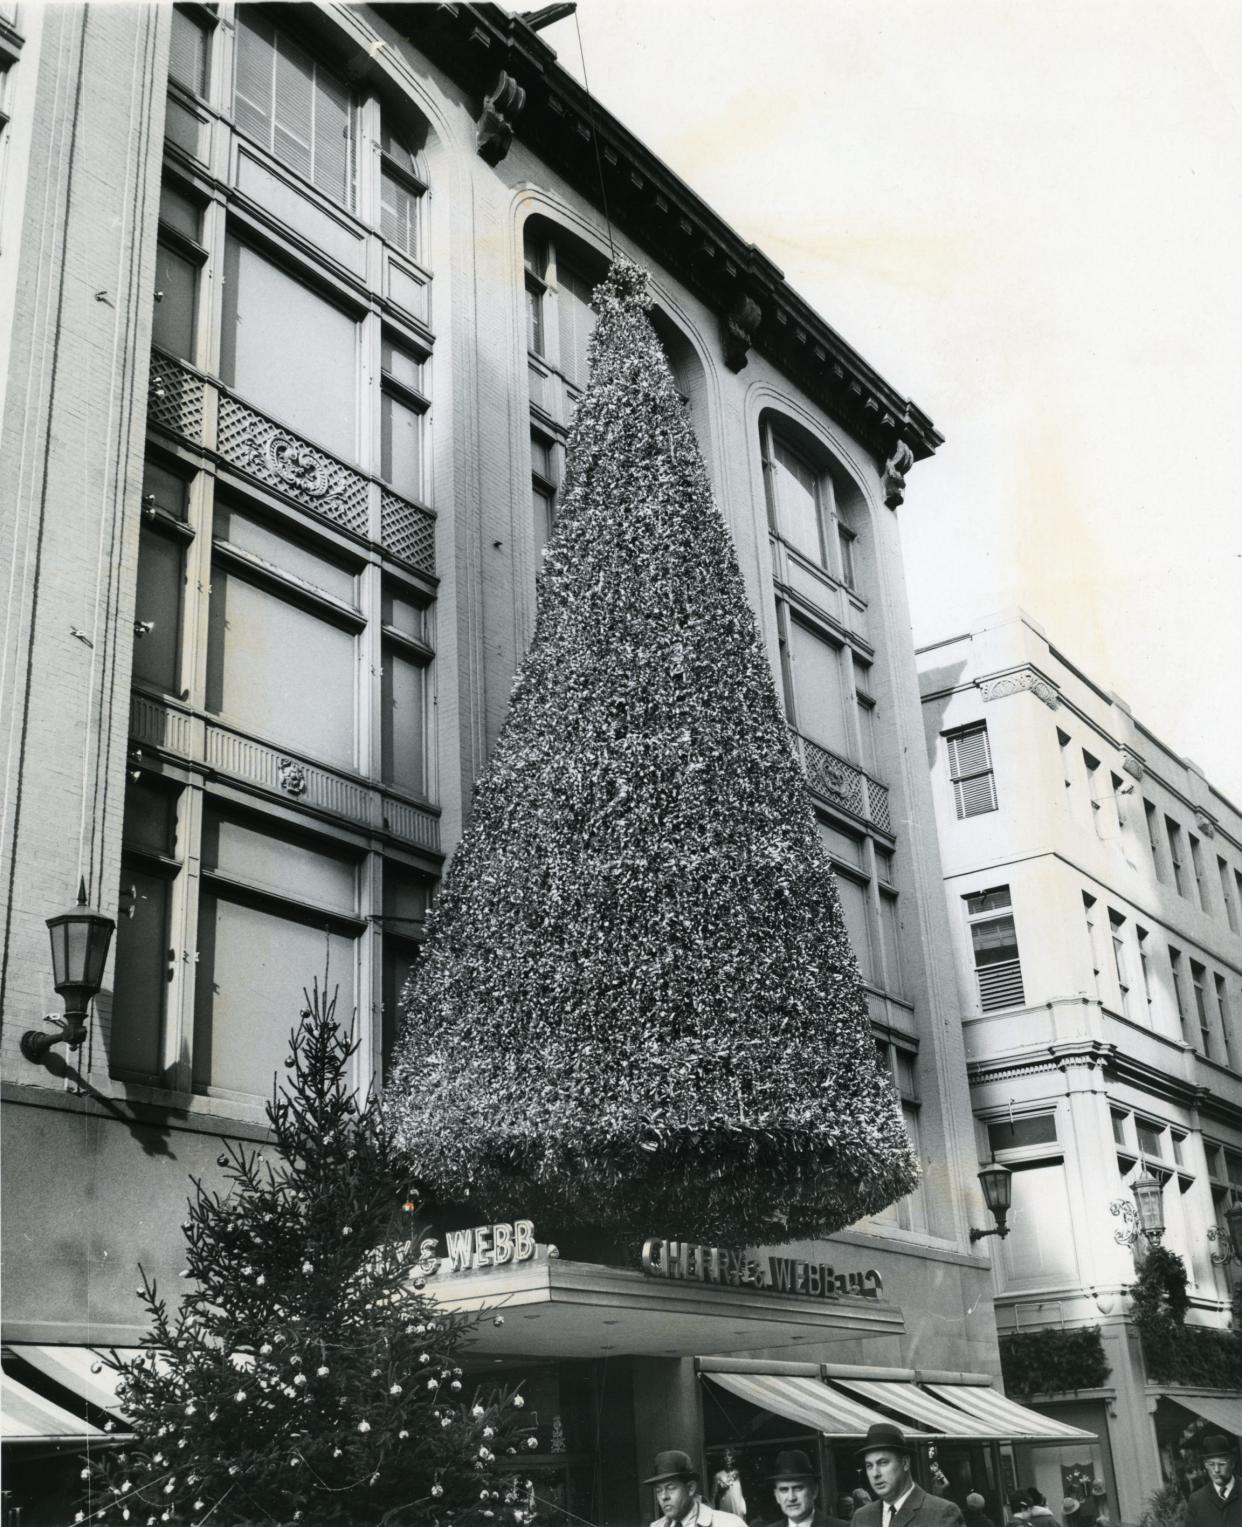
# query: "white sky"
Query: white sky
{"points": [[1027, 215]]}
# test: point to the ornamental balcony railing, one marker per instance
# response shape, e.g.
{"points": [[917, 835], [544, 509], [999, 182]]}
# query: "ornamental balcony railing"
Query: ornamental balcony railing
{"points": [[844, 784], [206, 414]]}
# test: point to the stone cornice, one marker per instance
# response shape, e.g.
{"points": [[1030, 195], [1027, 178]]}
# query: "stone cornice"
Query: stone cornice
{"points": [[501, 62]]}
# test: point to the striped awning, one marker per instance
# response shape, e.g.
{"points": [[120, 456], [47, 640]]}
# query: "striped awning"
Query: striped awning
{"points": [[27, 1417], [808, 1401], [81, 1370], [1018, 1422], [915, 1405], [1220, 1409]]}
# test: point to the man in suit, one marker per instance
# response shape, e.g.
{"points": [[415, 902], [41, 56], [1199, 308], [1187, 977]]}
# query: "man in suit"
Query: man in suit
{"points": [[886, 1456], [795, 1485], [676, 1484], [1219, 1502]]}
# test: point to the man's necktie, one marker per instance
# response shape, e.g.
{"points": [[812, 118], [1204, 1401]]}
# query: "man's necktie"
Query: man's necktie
{"points": [[888, 1514]]}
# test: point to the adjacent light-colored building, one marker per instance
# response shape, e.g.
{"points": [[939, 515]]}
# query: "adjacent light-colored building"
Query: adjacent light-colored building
{"points": [[299, 302], [1094, 889]]}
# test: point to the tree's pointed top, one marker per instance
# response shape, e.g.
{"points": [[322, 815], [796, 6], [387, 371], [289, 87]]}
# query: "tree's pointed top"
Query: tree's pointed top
{"points": [[627, 285]]}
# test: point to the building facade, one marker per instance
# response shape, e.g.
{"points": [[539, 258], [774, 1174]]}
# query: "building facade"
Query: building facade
{"points": [[299, 302], [1094, 890]]}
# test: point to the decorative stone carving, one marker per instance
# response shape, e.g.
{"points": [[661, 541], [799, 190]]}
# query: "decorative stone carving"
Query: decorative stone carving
{"points": [[895, 469], [1204, 823], [308, 475], [292, 777], [740, 323], [1015, 683], [1133, 764], [496, 120]]}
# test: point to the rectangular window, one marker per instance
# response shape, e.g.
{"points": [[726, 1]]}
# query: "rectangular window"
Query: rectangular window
{"points": [[405, 698], [289, 351], [188, 52], [157, 607], [891, 942], [401, 195], [846, 540], [1040, 1248], [1223, 1009], [1196, 865], [1198, 981], [1117, 932], [818, 689], [1093, 942], [275, 912], [1226, 893], [1144, 965], [281, 666], [1179, 995], [543, 480], [144, 960], [1119, 1127], [970, 770], [575, 319], [1121, 794], [1174, 834], [852, 895], [407, 896], [176, 300], [1150, 1139], [402, 410], [1063, 746], [994, 942], [866, 714], [1021, 1133], [799, 510], [1153, 838], [1092, 767], [293, 106]]}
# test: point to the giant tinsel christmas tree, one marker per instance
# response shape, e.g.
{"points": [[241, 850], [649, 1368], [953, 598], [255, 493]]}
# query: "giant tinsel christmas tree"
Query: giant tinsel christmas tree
{"points": [[307, 1375], [637, 1007]]}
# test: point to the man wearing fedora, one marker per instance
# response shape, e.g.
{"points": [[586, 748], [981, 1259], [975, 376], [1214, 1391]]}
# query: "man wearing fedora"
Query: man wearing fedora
{"points": [[795, 1484], [676, 1483], [1219, 1502], [900, 1502]]}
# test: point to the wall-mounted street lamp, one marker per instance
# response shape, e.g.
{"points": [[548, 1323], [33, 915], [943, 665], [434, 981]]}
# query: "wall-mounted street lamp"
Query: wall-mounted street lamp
{"points": [[1231, 1236], [1145, 1216], [997, 1184], [80, 939]]}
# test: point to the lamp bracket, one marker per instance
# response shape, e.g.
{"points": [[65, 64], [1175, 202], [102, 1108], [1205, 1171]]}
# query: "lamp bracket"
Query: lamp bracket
{"points": [[1224, 1256], [1129, 1232], [69, 1030]]}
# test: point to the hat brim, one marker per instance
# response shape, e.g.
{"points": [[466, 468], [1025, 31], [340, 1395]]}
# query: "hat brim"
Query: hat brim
{"points": [[793, 1479], [659, 1479]]}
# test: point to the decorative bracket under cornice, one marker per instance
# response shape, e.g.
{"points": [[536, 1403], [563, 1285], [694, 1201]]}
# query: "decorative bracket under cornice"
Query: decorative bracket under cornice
{"points": [[1132, 762], [739, 326], [497, 119], [895, 469], [1016, 682], [1204, 823]]}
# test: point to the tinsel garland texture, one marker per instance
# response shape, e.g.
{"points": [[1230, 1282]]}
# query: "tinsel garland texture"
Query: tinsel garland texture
{"points": [[637, 1007]]}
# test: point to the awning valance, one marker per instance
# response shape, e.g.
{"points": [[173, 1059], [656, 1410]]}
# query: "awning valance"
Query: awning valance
{"points": [[1019, 1423], [808, 1401], [81, 1370]]}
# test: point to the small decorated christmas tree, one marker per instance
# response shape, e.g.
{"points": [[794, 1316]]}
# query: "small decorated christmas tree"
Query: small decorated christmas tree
{"points": [[307, 1375], [637, 1007]]}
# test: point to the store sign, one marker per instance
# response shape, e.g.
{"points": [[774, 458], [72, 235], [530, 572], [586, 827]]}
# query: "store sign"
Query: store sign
{"points": [[475, 1250], [688, 1262]]}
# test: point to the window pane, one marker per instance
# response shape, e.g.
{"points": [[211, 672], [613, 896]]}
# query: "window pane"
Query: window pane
{"points": [[853, 898], [817, 687], [399, 959], [849, 574], [143, 970], [1150, 1139], [544, 508], [401, 430], [994, 940], [158, 603], [842, 845], [280, 671], [243, 850], [253, 967], [988, 901], [1040, 1244], [797, 498], [180, 211], [913, 1208], [187, 56], [404, 699], [270, 545], [403, 365], [534, 320], [405, 614], [150, 817], [577, 323], [162, 489], [399, 214], [1035, 1129], [892, 943], [176, 290], [289, 351]]}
